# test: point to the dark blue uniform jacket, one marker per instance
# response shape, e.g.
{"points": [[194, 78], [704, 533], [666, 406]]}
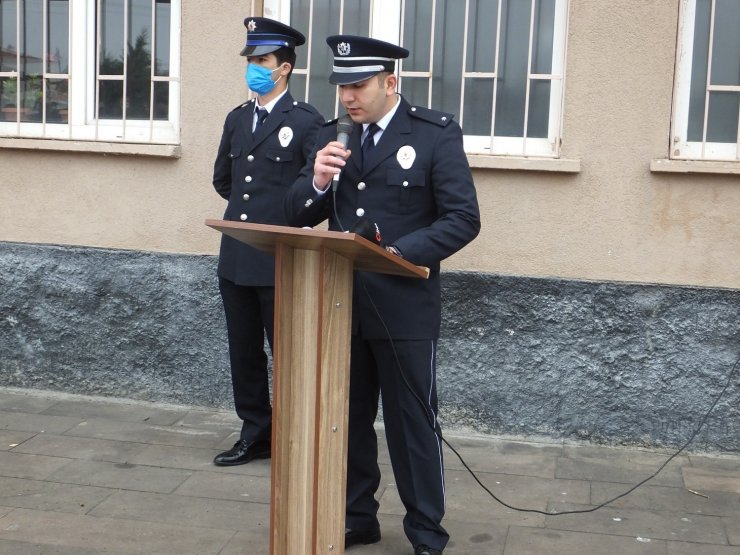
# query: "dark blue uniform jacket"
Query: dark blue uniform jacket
{"points": [[254, 172], [417, 187]]}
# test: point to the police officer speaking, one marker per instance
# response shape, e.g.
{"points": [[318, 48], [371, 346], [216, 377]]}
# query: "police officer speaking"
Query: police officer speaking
{"points": [[265, 143], [405, 170]]}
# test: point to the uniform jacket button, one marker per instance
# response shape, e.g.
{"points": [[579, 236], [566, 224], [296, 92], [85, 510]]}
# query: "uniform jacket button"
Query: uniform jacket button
{"points": [[360, 212], [243, 217], [405, 183], [246, 196], [361, 185], [248, 179], [250, 158]]}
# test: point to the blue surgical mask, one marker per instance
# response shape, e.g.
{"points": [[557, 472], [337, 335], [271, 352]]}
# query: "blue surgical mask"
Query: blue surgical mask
{"points": [[259, 79]]}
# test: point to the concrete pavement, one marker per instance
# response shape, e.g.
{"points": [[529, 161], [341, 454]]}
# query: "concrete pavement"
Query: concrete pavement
{"points": [[82, 475]]}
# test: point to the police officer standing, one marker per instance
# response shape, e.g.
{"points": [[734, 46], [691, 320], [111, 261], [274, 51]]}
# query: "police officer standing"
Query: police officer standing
{"points": [[405, 170], [265, 143]]}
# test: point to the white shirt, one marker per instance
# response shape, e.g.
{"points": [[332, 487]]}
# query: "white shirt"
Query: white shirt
{"points": [[382, 123], [269, 106]]}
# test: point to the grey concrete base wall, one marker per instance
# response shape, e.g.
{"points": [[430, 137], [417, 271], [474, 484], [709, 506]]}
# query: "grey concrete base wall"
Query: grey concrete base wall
{"points": [[605, 362]]}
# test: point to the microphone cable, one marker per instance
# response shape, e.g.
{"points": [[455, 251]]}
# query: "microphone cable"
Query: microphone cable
{"points": [[437, 431]]}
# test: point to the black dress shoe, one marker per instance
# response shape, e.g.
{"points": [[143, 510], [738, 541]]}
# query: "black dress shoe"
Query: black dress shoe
{"points": [[360, 537], [243, 452], [426, 550]]}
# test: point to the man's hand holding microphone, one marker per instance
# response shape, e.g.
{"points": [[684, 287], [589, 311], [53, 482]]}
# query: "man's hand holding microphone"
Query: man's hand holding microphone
{"points": [[331, 159]]}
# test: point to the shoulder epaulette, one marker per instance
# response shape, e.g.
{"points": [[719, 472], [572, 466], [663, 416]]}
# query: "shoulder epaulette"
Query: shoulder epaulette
{"points": [[305, 106], [330, 122], [432, 116], [243, 105]]}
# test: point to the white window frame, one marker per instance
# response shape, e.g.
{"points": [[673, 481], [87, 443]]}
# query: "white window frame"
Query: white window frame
{"points": [[681, 147], [83, 124], [385, 26]]}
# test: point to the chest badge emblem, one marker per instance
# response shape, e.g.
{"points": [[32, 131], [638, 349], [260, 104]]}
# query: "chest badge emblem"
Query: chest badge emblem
{"points": [[406, 156], [285, 136]]}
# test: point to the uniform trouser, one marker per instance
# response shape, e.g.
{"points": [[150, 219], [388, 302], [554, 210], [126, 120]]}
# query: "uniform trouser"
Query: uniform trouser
{"points": [[409, 417], [249, 317]]}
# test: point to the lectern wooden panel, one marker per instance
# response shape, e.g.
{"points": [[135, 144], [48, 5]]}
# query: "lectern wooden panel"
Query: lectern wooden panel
{"points": [[313, 313]]}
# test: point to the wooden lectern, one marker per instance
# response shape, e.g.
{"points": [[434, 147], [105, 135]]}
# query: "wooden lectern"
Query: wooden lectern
{"points": [[313, 317]]}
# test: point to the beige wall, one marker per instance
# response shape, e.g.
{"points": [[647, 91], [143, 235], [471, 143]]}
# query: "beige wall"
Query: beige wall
{"points": [[614, 220]]}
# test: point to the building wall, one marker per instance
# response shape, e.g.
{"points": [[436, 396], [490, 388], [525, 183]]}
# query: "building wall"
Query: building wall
{"points": [[139, 202], [614, 220], [558, 294], [604, 362]]}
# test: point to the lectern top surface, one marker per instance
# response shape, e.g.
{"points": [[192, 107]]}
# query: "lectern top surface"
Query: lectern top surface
{"points": [[366, 256]]}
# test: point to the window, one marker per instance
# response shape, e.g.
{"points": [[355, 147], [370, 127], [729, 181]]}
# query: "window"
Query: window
{"points": [[706, 112], [497, 64], [100, 70]]}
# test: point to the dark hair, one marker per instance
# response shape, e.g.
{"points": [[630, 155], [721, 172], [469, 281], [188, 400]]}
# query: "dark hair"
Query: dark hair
{"points": [[284, 55], [382, 75]]}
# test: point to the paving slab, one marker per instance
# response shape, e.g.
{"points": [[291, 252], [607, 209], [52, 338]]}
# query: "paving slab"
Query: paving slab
{"points": [[466, 538], [716, 462], [214, 485], [686, 548], [10, 439], [142, 433], [177, 509], [715, 503], [50, 496], [28, 422], [526, 492], [109, 535], [649, 524], [732, 526], [193, 458], [102, 478], [252, 540], [10, 547], [121, 475], [630, 455], [480, 512], [538, 541], [222, 421], [24, 402], [522, 459], [80, 448], [116, 410], [35, 467], [619, 470], [712, 479]]}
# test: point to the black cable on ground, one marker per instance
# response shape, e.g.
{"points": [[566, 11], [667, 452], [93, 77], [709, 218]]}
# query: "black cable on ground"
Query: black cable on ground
{"points": [[433, 424]]}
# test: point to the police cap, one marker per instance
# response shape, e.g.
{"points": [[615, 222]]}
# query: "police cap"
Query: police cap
{"points": [[267, 35], [358, 58]]}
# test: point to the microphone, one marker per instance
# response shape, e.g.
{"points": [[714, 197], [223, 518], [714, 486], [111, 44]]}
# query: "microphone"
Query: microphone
{"points": [[344, 130], [367, 230]]}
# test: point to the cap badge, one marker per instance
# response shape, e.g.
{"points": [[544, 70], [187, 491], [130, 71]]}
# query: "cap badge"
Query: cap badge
{"points": [[343, 48], [252, 25]]}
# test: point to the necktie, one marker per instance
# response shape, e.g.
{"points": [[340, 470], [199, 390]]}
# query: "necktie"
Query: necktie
{"points": [[369, 142], [262, 113]]}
